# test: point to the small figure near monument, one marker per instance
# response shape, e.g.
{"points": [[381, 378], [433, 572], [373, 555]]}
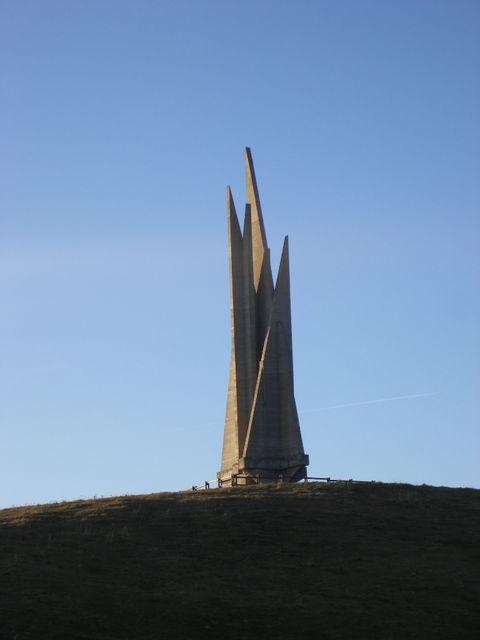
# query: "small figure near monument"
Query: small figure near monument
{"points": [[262, 439]]}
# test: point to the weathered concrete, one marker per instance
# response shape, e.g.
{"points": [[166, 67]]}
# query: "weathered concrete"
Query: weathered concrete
{"points": [[262, 433]]}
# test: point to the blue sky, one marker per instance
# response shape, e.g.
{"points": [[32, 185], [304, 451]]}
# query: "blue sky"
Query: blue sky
{"points": [[121, 123]]}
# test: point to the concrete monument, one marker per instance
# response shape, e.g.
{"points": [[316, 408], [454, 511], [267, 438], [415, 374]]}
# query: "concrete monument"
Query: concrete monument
{"points": [[262, 433]]}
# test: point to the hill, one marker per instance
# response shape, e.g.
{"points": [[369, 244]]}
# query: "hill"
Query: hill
{"points": [[312, 560]]}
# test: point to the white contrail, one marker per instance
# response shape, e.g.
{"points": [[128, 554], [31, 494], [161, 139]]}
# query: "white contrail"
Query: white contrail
{"points": [[337, 406], [356, 404]]}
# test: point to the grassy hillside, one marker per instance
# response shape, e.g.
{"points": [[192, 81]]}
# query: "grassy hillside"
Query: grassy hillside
{"points": [[270, 561]]}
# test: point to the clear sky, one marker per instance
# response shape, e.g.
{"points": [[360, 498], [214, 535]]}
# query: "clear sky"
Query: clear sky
{"points": [[122, 124]]}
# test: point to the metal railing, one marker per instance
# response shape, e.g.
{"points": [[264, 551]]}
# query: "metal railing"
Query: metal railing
{"points": [[233, 480]]}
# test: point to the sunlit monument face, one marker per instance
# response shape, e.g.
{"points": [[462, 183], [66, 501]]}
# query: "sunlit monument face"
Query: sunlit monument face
{"points": [[262, 433]]}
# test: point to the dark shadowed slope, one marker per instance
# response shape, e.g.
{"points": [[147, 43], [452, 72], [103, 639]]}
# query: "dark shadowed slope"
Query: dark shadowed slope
{"points": [[272, 561]]}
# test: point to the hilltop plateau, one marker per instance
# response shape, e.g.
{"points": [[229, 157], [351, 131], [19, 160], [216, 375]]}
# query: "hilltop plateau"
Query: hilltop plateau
{"points": [[339, 560]]}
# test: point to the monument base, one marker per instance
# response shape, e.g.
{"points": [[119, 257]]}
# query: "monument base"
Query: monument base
{"points": [[251, 471]]}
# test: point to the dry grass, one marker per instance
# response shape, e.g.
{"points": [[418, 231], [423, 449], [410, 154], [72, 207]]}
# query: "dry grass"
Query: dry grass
{"points": [[270, 561]]}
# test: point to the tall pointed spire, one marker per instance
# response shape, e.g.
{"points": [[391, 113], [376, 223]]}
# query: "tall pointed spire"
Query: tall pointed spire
{"points": [[258, 228], [242, 362], [262, 433], [262, 271]]}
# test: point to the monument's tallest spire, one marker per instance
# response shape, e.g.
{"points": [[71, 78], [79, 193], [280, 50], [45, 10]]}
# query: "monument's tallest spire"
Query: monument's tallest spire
{"points": [[262, 434], [259, 238]]}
